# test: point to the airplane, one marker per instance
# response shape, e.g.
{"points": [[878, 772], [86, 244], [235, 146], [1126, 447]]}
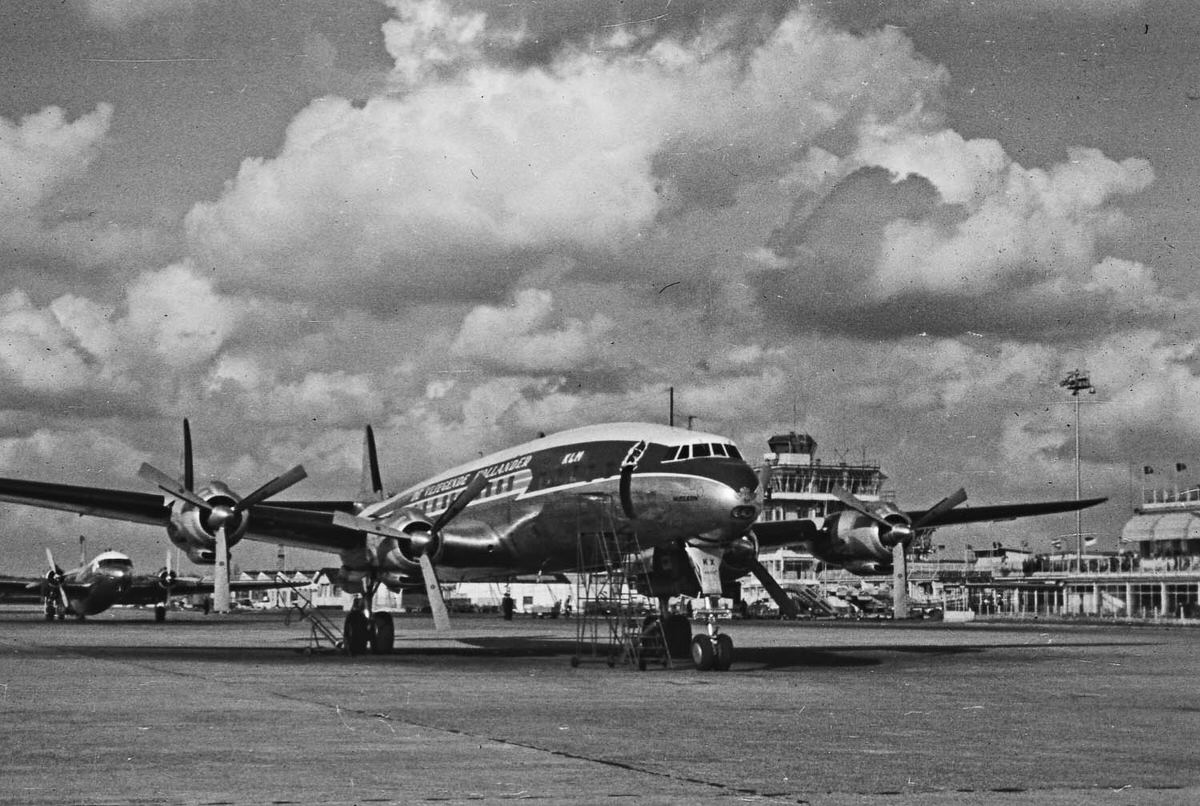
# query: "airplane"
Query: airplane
{"points": [[108, 579], [688, 497]]}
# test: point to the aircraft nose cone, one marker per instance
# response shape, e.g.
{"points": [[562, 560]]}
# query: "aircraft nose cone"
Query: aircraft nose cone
{"points": [[120, 577]]}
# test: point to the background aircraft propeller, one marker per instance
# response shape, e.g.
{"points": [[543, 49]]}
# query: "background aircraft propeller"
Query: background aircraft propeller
{"points": [[54, 578], [219, 516]]}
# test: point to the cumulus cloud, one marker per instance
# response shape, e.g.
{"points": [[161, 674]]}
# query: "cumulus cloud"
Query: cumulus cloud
{"points": [[169, 320], [524, 337], [454, 186], [959, 224], [41, 152]]}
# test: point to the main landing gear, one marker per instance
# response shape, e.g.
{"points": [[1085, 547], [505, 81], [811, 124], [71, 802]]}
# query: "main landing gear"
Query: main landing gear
{"points": [[364, 629]]}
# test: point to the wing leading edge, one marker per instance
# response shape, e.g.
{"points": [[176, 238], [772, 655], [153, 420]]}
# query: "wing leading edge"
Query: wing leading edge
{"points": [[775, 534], [303, 524]]}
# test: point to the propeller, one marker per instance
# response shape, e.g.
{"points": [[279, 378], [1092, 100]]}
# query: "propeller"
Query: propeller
{"points": [[422, 544], [219, 517], [900, 533], [54, 577], [628, 465]]}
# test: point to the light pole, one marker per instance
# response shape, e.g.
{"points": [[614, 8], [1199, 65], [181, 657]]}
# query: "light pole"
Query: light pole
{"points": [[1077, 382]]}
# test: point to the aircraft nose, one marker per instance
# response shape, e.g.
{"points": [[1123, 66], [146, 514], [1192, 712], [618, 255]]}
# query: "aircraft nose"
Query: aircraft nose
{"points": [[742, 479]]}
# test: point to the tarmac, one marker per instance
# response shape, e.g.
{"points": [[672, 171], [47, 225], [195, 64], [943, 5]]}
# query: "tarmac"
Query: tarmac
{"points": [[231, 710]]}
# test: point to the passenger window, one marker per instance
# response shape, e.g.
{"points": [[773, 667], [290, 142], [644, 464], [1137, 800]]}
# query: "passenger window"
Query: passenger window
{"points": [[700, 451]]}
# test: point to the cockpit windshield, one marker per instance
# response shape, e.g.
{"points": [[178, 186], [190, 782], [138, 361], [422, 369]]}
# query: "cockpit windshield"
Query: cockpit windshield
{"points": [[703, 450], [115, 562]]}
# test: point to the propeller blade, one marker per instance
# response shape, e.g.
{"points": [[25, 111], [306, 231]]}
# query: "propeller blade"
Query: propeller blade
{"points": [[371, 488], [222, 600], [361, 524], [50, 560], [170, 486], [433, 589], [764, 480], [628, 465], [786, 606], [941, 508], [469, 494], [858, 506], [189, 477], [272, 487]]}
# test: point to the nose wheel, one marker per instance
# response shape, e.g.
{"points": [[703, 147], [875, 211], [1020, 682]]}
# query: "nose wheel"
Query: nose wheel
{"points": [[712, 650]]}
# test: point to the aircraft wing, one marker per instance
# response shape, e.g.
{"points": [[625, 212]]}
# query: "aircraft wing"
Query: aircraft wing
{"points": [[802, 532], [20, 589], [148, 589], [303, 524], [791, 533], [1002, 512]]}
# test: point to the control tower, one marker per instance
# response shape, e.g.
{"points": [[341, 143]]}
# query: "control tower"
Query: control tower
{"points": [[801, 487]]}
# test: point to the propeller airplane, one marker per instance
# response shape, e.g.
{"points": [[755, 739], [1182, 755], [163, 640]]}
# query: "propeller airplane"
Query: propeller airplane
{"points": [[689, 497]]}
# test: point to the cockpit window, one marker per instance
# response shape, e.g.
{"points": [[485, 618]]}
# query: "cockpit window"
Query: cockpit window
{"points": [[702, 450], [115, 563]]}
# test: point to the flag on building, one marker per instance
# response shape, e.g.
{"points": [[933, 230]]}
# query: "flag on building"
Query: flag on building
{"points": [[1149, 471], [1056, 545], [1180, 467], [1089, 541]]}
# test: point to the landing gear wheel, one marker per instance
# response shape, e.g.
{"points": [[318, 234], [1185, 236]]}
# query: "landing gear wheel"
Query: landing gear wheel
{"points": [[383, 637], [703, 654], [355, 632], [724, 653], [678, 631], [49, 612], [160, 612]]}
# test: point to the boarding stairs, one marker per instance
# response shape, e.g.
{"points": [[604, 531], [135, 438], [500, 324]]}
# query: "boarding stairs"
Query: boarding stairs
{"points": [[612, 623], [322, 629]]}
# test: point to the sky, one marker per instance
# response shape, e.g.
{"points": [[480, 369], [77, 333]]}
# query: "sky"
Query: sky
{"points": [[896, 226]]}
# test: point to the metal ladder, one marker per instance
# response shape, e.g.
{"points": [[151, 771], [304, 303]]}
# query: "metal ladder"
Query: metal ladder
{"points": [[609, 623], [322, 629]]}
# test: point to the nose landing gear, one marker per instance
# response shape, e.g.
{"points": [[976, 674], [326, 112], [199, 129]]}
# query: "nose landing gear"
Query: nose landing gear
{"points": [[712, 650]]}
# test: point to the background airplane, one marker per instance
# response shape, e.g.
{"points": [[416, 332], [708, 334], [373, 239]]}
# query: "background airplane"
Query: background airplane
{"points": [[685, 501], [109, 579]]}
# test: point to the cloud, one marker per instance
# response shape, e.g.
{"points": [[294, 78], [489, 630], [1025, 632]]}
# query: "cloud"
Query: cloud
{"points": [[169, 321], [522, 336], [42, 152], [961, 229], [117, 14], [482, 166]]}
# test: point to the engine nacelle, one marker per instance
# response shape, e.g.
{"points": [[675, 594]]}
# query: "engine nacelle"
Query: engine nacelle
{"points": [[861, 544], [195, 530], [380, 555]]}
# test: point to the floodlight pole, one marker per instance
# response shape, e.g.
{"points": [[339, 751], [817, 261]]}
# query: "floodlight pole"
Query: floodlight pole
{"points": [[1077, 382]]}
